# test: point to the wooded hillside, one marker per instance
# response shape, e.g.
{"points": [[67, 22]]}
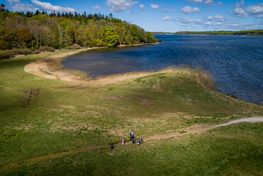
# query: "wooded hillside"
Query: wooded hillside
{"points": [[63, 30]]}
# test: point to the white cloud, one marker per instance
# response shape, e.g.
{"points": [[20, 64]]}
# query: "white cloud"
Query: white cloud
{"points": [[240, 12], [202, 1], [13, 1], [188, 9], [196, 1], [141, 6], [96, 7], [208, 1], [17, 5], [49, 7], [217, 20], [120, 5], [155, 6], [23, 7], [189, 21], [254, 10], [166, 18]]}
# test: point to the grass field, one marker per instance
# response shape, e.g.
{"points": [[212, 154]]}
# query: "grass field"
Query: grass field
{"points": [[64, 117]]}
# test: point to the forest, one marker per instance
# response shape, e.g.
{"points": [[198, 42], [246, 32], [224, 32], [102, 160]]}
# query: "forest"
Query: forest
{"points": [[33, 32]]}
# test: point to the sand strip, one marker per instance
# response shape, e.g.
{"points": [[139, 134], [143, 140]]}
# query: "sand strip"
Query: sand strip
{"points": [[51, 68]]}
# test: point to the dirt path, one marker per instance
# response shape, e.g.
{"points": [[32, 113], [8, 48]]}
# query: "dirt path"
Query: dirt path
{"points": [[196, 129], [243, 120]]}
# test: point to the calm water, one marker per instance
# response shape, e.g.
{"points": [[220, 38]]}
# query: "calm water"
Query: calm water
{"points": [[235, 62]]}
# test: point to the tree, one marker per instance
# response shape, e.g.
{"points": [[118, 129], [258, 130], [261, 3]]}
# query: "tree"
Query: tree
{"points": [[2, 7], [61, 30], [109, 36], [37, 12], [24, 37]]}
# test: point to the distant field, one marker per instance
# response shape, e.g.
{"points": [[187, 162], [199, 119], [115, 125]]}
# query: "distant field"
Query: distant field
{"points": [[64, 117]]}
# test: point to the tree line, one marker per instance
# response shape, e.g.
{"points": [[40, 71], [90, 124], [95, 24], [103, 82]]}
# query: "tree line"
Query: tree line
{"points": [[243, 32], [38, 30]]}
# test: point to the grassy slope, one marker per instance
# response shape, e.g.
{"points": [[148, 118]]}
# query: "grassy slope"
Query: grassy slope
{"points": [[236, 150], [64, 117]]}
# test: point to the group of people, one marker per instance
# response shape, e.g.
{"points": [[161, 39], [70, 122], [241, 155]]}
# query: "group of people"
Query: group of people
{"points": [[132, 139]]}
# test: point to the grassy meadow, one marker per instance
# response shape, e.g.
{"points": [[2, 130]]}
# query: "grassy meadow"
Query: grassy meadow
{"points": [[64, 117]]}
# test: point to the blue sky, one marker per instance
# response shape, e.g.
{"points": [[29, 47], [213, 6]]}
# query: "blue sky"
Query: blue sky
{"points": [[162, 15]]}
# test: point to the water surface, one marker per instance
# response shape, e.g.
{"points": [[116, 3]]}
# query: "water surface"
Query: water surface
{"points": [[235, 62]]}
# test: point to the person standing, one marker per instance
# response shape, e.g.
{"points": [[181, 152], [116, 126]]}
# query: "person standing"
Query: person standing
{"points": [[132, 136], [112, 146], [122, 141]]}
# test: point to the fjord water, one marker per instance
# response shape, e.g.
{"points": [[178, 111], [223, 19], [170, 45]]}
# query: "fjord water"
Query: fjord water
{"points": [[235, 62]]}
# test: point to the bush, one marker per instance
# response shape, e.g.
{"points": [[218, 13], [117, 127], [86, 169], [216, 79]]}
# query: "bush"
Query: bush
{"points": [[74, 46], [47, 48], [6, 54], [24, 51], [37, 51]]}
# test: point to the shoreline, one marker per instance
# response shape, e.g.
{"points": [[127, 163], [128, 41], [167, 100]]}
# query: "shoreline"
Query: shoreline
{"points": [[52, 68]]}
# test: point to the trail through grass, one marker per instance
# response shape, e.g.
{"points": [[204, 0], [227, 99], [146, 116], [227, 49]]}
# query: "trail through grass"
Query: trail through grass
{"points": [[192, 130]]}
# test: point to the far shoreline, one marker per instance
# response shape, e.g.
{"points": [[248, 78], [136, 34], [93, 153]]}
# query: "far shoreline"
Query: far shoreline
{"points": [[255, 32]]}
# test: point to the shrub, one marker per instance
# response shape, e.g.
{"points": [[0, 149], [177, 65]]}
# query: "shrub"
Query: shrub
{"points": [[24, 51], [74, 46], [6, 54], [46, 48], [205, 80], [37, 51]]}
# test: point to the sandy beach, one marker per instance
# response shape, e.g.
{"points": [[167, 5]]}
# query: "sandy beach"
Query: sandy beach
{"points": [[51, 68]]}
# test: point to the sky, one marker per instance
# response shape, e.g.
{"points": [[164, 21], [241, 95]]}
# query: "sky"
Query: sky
{"points": [[161, 15]]}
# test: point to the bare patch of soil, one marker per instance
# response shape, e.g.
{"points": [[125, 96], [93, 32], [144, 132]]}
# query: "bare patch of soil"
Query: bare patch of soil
{"points": [[114, 97], [145, 101]]}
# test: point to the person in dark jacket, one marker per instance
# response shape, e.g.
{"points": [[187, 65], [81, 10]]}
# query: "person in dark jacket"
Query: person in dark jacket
{"points": [[132, 136], [112, 146]]}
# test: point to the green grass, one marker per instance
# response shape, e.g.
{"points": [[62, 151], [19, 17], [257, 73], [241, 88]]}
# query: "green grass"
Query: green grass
{"points": [[219, 152], [64, 117]]}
